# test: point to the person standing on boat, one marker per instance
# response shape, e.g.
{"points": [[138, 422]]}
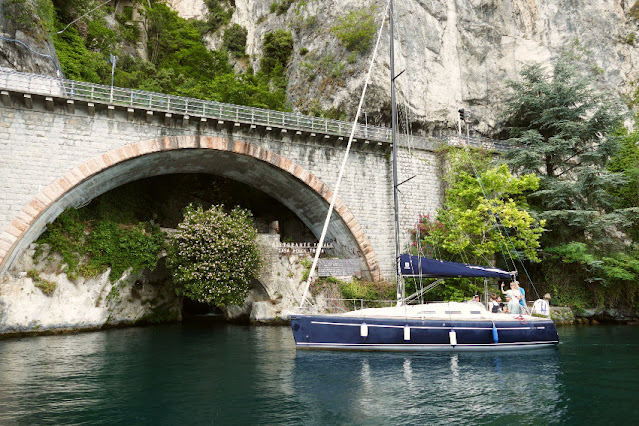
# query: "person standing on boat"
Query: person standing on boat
{"points": [[514, 295], [522, 300]]}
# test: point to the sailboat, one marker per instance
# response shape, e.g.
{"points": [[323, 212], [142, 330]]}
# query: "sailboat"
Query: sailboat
{"points": [[435, 326]]}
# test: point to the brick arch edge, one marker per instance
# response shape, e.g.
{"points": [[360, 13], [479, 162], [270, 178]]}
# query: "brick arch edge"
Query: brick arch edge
{"points": [[13, 233]]}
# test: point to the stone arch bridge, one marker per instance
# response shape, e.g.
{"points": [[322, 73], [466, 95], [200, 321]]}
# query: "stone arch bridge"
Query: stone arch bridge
{"points": [[62, 143]]}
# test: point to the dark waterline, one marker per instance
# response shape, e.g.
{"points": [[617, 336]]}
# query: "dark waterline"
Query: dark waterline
{"points": [[201, 373]]}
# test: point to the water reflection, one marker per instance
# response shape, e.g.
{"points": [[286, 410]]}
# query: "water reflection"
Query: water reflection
{"points": [[433, 387], [222, 374]]}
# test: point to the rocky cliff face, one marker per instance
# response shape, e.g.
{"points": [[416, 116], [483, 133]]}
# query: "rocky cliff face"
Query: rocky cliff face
{"points": [[24, 46], [456, 53], [86, 303], [93, 303]]}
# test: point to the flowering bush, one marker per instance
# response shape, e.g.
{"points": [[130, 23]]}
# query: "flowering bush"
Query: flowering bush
{"points": [[214, 255]]}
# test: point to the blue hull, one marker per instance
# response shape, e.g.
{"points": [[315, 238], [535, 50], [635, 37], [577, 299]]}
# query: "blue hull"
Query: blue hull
{"points": [[389, 334]]}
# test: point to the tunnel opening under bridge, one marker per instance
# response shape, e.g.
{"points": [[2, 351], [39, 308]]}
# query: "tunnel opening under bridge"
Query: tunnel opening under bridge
{"points": [[293, 187]]}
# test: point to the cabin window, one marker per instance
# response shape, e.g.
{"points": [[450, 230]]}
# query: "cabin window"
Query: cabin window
{"points": [[475, 312], [452, 312]]}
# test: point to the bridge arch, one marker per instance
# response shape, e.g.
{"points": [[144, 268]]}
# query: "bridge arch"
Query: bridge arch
{"points": [[292, 185]]}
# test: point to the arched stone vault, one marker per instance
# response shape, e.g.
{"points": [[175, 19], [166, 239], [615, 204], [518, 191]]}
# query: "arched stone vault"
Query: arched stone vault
{"points": [[289, 183]]}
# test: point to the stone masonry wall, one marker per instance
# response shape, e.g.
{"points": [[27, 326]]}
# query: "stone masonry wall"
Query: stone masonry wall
{"points": [[38, 146]]}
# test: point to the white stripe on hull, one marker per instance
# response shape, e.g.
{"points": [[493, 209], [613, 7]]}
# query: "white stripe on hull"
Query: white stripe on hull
{"points": [[427, 347]]}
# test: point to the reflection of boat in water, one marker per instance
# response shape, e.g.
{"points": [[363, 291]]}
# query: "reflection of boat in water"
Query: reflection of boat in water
{"points": [[431, 326], [433, 387]]}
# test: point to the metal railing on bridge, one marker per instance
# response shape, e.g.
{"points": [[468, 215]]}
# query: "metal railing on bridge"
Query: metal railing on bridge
{"points": [[137, 99]]}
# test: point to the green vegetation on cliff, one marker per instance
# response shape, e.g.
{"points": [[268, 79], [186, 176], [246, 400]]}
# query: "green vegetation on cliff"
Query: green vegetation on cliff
{"points": [[120, 230], [179, 63], [356, 30], [90, 242]]}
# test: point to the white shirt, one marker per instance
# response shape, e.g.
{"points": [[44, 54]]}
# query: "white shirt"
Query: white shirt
{"points": [[541, 307]]}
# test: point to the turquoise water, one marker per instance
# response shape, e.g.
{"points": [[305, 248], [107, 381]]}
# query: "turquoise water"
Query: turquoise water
{"points": [[202, 373]]}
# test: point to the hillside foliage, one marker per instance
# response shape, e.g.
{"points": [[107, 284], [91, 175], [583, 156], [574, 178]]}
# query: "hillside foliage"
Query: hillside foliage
{"points": [[179, 62], [356, 30]]}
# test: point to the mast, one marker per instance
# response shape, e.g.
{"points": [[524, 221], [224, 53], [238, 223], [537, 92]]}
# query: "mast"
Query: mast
{"points": [[400, 287]]}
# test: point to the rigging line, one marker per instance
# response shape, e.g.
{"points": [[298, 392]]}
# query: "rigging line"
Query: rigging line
{"points": [[77, 19], [344, 160], [525, 269], [492, 215], [405, 110]]}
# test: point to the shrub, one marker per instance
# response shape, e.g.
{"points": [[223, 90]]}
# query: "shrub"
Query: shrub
{"points": [[281, 6], [234, 40], [214, 255], [47, 287], [89, 247], [357, 30], [219, 14], [30, 15], [277, 47]]}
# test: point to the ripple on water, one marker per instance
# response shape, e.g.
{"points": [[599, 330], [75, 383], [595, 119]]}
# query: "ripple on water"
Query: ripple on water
{"points": [[203, 373]]}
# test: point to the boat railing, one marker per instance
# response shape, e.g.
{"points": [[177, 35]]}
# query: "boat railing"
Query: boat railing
{"points": [[345, 305]]}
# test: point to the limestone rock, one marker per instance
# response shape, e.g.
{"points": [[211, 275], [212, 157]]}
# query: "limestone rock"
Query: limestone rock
{"points": [[86, 303], [25, 46], [456, 53]]}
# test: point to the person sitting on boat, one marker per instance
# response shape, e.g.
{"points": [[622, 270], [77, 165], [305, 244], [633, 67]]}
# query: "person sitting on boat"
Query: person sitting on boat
{"points": [[513, 296], [494, 305], [542, 306]]}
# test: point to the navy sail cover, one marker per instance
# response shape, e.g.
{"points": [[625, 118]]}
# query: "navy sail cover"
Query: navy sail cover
{"points": [[433, 268]]}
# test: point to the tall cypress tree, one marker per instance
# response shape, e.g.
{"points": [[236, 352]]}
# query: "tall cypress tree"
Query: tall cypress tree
{"points": [[564, 131]]}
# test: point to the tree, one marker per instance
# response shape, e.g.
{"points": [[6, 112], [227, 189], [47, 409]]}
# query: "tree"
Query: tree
{"points": [[483, 219], [626, 161], [484, 213], [214, 255], [563, 131], [277, 47], [234, 40]]}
